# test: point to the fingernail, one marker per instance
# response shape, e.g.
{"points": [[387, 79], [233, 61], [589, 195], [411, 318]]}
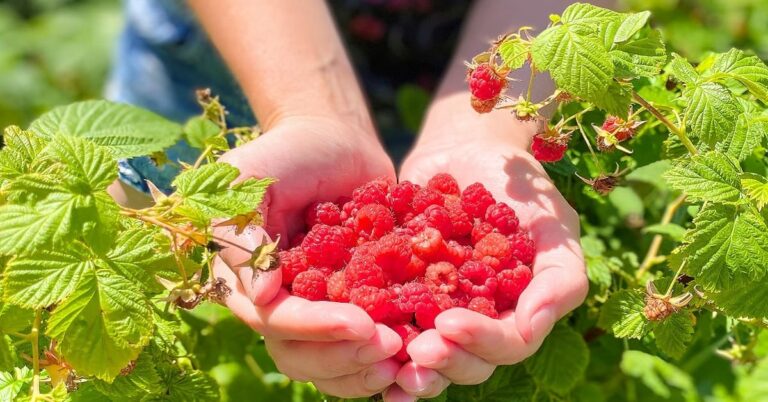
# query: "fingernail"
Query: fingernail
{"points": [[375, 380], [542, 322], [347, 334]]}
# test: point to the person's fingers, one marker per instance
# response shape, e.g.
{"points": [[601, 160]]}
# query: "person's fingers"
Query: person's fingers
{"points": [[370, 381], [430, 350], [294, 318], [326, 360], [421, 381], [396, 394]]}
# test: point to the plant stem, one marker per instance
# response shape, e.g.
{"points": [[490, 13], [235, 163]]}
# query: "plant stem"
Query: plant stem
{"points": [[672, 127], [530, 84], [668, 293], [589, 144], [34, 337], [202, 156], [653, 250]]}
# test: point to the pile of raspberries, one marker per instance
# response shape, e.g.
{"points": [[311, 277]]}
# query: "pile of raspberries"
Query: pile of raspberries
{"points": [[404, 253]]}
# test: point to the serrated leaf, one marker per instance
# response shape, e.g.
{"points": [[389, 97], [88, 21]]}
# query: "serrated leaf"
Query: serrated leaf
{"points": [[748, 134], [207, 179], [102, 325], [588, 14], [681, 69], [198, 130], [507, 384], [615, 100], [674, 334], [651, 173], [137, 256], [706, 177], [743, 299], [514, 52], [623, 315], [12, 383], [187, 386], [749, 70], [25, 228], [128, 131], [20, 151], [639, 57], [142, 380], [630, 25], [557, 371], [88, 166], [671, 230], [712, 112], [756, 188], [657, 375]]}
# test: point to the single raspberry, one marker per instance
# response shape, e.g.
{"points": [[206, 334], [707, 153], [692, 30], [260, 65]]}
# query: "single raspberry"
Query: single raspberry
{"points": [[337, 288], [483, 105], [485, 83], [401, 197], [512, 282], [442, 277], [326, 213], [426, 197], [425, 315], [460, 299], [439, 218], [392, 253], [427, 244], [462, 222], [348, 210], [480, 230], [545, 149], [363, 271], [407, 333], [443, 301], [502, 217], [455, 253], [494, 249], [476, 199], [444, 183], [328, 246], [621, 129], [310, 285], [373, 221], [414, 269], [375, 301], [483, 306], [417, 223], [373, 192], [477, 279], [292, 263], [523, 247], [413, 295]]}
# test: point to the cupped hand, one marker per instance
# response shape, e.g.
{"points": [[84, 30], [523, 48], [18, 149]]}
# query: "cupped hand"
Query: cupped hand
{"points": [[466, 346], [336, 346]]}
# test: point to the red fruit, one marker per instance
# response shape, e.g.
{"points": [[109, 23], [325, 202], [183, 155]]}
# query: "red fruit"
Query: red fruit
{"points": [[416, 224], [462, 222], [523, 247], [437, 217], [310, 285], [363, 271], [476, 199], [375, 301], [328, 246], [374, 192], [442, 277], [483, 106], [502, 217], [493, 249], [413, 295], [401, 197], [415, 269], [444, 183], [407, 333], [513, 281], [621, 129], [337, 288], [484, 306], [455, 253], [373, 221], [326, 213], [477, 279], [545, 149], [480, 230], [426, 197], [485, 83], [292, 263], [427, 244]]}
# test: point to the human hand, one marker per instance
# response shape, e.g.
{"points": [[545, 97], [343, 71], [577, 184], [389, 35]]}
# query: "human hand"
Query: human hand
{"points": [[466, 346], [336, 346]]}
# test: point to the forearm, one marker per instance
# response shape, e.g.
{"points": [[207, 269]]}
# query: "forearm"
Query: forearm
{"points": [[287, 57]]}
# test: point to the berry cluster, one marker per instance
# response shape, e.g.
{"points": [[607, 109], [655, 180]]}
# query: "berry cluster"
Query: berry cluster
{"points": [[404, 253]]}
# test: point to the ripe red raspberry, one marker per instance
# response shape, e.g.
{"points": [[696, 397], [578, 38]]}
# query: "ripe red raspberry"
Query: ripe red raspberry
{"points": [[444, 183], [493, 249], [363, 271], [407, 333], [415, 269], [413, 295], [401, 197], [326, 213], [484, 306], [373, 192], [455, 253], [476, 199], [328, 246], [621, 129], [292, 263], [427, 244], [502, 217], [373, 221], [375, 301], [442, 277], [310, 285], [485, 83], [462, 222], [483, 106], [337, 288], [439, 218], [392, 253], [348, 210], [545, 149], [512, 282], [477, 279], [426, 197], [523, 247]]}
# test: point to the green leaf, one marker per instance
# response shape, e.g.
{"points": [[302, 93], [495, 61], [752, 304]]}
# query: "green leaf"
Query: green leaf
{"points": [[674, 334], [756, 188], [102, 325], [88, 166], [712, 112], [749, 70], [657, 375], [20, 151], [639, 57], [142, 380], [627, 202], [615, 100], [126, 130], [26, 228], [507, 384], [198, 130], [744, 299], [631, 24], [706, 177], [11, 384], [651, 173], [748, 134], [587, 14], [412, 102], [623, 315], [188, 386], [754, 386], [514, 52], [137, 256], [44, 278], [555, 370], [7, 355], [671, 230], [681, 69]]}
